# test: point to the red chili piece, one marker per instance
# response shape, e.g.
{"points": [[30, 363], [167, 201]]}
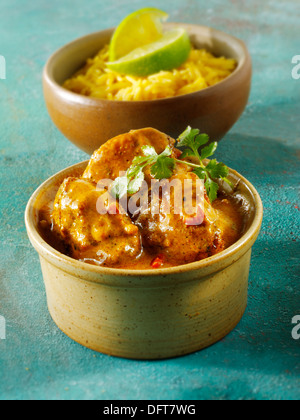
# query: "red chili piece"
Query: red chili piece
{"points": [[158, 261]]}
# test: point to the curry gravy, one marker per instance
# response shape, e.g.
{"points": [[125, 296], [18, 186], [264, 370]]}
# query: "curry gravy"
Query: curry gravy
{"points": [[231, 210]]}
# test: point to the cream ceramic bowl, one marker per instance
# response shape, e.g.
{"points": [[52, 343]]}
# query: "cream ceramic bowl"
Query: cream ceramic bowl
{"points": [[145, 314], [90, 122]]}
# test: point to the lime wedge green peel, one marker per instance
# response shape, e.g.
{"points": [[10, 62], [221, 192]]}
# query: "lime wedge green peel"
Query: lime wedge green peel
{"points": [[136, 30], [151, 50], [166, 54]]}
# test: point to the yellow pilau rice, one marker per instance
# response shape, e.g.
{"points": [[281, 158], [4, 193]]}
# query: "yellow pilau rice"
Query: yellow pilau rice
{"points": [[200, 71]]}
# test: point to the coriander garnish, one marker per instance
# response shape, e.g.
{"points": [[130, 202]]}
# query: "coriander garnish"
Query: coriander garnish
{"points": [[162, 166]]}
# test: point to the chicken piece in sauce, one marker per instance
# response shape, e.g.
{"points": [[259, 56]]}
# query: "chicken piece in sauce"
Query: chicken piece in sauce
{"points": [[117, 154], [186, 228], [109, 238]]}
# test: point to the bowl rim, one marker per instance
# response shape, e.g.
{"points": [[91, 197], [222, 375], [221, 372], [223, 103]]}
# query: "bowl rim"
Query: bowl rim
{"points": [[88, 100], [240, 247]]}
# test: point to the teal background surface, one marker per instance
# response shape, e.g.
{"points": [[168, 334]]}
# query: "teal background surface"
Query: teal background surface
{"points": [[260, 358]]}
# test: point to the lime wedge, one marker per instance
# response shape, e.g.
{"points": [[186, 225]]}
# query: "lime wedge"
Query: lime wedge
{"points": [[168, 53], [136, 30]]}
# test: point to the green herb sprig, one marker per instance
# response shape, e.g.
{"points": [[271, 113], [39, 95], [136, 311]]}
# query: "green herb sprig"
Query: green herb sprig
{"points": [[162, 166], [192, 141]]}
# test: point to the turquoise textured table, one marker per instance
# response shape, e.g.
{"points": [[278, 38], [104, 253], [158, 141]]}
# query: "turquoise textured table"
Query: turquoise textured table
{"points": [[260, 358]]}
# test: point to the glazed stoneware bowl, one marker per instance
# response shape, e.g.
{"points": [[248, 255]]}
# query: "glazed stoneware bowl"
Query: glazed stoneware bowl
{"points": [[149, 314], [90, 122]]}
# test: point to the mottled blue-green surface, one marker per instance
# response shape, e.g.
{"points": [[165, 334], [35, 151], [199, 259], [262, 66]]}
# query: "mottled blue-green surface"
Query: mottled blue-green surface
{"points": [[259, 359]]}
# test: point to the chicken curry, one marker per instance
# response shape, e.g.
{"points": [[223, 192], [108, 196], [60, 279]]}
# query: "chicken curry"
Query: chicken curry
{"points": [[140, 239]]}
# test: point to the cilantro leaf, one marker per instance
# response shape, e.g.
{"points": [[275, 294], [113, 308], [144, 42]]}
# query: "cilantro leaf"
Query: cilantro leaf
{"points": [[192, 140], [211, 189], [166, 152], [119, 187], [138, 162], [136, 184], [149, 151], [187, 137], [201, 140], [209, 150], [187, 152], [200, 172], [133, 171], [217, 170], [164, 165], [163, 168]]}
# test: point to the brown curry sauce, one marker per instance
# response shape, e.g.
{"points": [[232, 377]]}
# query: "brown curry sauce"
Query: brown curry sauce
{"points": [[231, 211]]}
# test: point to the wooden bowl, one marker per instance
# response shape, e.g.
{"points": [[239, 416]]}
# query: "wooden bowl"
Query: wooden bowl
{"points": [[145, 314], [90, 122]]}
